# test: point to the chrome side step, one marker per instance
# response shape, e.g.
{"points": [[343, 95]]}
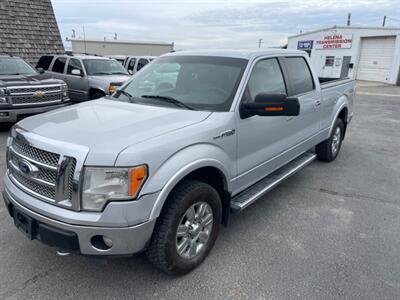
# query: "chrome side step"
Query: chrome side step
{"points": [[253, 193]]}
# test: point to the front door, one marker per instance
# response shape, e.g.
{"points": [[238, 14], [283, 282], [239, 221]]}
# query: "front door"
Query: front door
{"points": [[345, 67], [77, 84], [261, 138]]}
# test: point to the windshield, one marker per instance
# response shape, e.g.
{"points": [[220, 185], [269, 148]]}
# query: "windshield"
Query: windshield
{"points": [[15, 66], [198, 82], [103, 67]]}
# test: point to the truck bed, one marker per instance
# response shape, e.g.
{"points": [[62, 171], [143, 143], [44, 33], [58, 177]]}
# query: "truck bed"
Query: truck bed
{"points": [[327, 82]]}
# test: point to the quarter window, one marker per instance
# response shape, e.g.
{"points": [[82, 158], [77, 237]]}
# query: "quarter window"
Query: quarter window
{"points": [[300, 77], [74, 64], [59, 65], [44, 62], [266, 77]]}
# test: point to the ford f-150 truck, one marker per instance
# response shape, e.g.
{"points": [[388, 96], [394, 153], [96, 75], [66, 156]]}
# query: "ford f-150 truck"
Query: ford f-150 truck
{"points": [[160, 164], [23, 91]]}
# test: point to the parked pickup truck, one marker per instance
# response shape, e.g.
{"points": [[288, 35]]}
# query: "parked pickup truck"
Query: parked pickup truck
{"points": [[88, 77], [23, 91], [158, 167]]}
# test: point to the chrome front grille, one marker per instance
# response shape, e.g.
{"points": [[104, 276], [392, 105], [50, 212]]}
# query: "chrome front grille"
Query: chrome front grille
{"points": [[45, 175], [35, 95], [42, 156]]}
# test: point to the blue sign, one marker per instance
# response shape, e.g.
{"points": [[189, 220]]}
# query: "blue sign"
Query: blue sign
{"points": [[304, 45]]}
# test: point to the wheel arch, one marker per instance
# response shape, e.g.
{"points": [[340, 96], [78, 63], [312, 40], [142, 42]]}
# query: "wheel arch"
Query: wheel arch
{"points": [[210, 171], [94, 90]]}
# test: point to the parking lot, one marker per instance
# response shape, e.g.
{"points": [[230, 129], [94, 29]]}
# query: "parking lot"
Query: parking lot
{"points": [[330, 231]]}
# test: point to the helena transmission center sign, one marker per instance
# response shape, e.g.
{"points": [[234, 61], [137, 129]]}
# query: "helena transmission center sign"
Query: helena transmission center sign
{"points": [[335, 41]]}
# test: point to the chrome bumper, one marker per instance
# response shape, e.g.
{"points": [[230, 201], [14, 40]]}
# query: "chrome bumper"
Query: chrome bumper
{"points": [[126, 240], [11, 115]]}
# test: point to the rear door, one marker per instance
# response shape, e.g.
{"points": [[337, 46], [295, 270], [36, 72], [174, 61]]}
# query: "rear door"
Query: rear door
{"points": [[302, 85], [57, 68], [77, 85]]}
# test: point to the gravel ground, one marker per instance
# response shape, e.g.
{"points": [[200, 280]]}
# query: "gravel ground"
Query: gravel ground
{"points": [[332, 231]]}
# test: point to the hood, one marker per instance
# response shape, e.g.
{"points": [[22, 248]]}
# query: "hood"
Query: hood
{"points": [[110, 78], [19, 80], [107, 127]]}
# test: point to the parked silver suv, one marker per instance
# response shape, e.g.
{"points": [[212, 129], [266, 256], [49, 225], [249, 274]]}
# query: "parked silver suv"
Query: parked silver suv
{"points": [[87, 77]]}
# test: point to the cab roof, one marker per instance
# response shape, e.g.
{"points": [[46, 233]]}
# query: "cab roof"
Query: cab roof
{"points": [[239, 53]]}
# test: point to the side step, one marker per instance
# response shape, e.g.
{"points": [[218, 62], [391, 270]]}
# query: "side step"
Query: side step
{"points": [[253, 193]]}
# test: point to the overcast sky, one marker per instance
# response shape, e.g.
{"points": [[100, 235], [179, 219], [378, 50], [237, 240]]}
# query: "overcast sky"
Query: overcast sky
{"points": [[215, 24]]}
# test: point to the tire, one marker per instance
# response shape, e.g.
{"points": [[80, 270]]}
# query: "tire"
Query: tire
{"points": [[163, 249], [96, 95], [329, 149]]}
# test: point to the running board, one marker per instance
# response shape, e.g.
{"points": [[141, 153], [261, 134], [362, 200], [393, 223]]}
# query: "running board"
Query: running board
{"points": [[253, 193]]}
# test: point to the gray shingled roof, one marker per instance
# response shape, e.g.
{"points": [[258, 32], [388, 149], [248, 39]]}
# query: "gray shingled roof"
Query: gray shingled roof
{"points": [[29, 29]]}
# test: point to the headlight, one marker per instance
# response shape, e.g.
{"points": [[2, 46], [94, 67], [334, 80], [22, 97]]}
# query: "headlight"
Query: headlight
{"points": [[102, 185], [112, 89], [3, 96], [64, 90]]}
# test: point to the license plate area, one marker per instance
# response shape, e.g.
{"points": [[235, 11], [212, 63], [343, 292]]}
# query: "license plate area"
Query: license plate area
{"points": [[24, 223]]}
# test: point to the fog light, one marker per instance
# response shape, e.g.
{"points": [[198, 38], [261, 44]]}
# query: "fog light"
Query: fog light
{"points": [[101, 242], [3, 114], [107, 241]]}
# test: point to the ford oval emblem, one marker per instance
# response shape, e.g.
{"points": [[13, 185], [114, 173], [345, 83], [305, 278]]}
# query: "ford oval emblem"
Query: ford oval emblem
{"points": [[26, 167]]}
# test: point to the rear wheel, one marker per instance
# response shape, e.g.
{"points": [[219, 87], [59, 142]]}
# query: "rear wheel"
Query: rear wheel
{"points": [[187, 228], [329, 149]]}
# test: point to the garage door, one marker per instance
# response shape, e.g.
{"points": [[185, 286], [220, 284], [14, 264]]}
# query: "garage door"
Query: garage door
{"points": [[376, 59]]}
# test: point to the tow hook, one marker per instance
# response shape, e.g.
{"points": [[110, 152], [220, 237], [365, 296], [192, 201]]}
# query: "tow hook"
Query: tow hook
{"points": [[63, 253]]}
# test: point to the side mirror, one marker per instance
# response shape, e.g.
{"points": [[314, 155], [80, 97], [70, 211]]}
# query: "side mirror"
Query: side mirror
{"points": [[40, 70], [130, 72], [76, 72], [271, 105]]}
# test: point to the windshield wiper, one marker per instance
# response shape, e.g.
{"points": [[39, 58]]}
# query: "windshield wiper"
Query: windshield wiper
{"points": [[129, 96], [101, 73], [169, 100]]}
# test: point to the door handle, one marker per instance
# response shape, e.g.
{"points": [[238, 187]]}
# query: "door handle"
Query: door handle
{"points": [[317, 103]]}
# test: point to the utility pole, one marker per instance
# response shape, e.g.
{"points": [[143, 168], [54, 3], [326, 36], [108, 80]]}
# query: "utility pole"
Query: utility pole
{"points": [[84, 38], [348, 19], [260, 41], [384, 21]]}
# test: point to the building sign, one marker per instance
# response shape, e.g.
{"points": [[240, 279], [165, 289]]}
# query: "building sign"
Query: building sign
{"points": [[304, 45], [334, 41]]}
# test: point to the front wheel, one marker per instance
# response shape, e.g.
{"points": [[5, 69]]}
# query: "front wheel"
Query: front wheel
{"points": [[187, 228], [329, 149]]}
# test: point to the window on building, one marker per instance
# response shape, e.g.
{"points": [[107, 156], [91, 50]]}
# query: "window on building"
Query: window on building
{"points": [[329, 61], [44, 62], [266, 77], [74, 64], [59, 65], [299, 74]]}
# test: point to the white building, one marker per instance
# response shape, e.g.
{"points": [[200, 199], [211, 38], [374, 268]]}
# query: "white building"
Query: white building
{"points": [[119, 47], [364, 53]]}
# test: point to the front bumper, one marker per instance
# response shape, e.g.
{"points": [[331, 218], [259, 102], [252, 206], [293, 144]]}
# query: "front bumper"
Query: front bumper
{"points": [[13, 114], [77, 238]]}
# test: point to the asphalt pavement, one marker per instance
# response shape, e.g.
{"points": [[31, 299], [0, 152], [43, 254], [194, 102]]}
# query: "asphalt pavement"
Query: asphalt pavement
{"points": [[332, 231]]}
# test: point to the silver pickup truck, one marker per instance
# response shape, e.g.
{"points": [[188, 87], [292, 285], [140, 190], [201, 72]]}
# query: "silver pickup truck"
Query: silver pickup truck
{"points": [[160, 164]]}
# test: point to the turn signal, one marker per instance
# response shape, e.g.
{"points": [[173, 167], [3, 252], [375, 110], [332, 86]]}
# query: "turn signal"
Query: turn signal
{"points": [[280, 108], [138, 176]]}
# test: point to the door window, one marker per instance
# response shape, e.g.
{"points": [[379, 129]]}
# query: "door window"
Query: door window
{"points": [[142, 62], [59, 65], [300, 77], [266, 77], [74, 64], [131, 65]]}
